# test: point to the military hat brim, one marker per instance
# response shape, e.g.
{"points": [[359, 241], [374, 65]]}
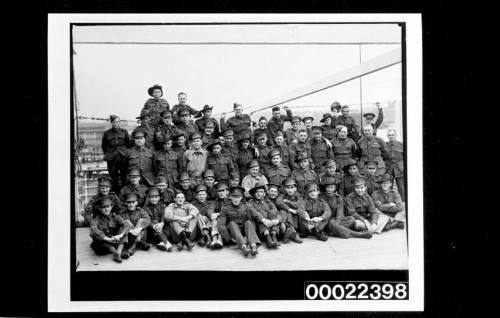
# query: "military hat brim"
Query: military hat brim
{"points": [[254, 189], [366, 115], [216, 142], [152, 88]]}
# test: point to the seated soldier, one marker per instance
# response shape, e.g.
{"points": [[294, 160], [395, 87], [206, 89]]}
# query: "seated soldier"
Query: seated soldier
{"points": [[108, 230], [140, 220], [182, 217], [286, 156], [222, 165], [265, 215], [330, 171], [372, 176], [157, 232], [351, 173], [253, 179], [361, 206], [235, 219], [209, 234], [304, 174], [388, 201], [168, 162], [339, 225], [290, 205], [209, 182], [134, 176], [263, 150], [103, 189], [316, 214], [278, 172], [166, 194], [273, 190], [185, 187], [222, 196]]}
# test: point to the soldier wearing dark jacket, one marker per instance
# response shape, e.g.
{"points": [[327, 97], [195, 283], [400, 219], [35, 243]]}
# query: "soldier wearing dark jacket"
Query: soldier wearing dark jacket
{"points": [[320, 152], [222, 197], [141, 157], [301, 146], [303, 175], [140, 221], [371, 148], [278, 172], [185, 125], [134, 176], [209, 182], [167, 194], [168, 162], [316, 214], [266, 216], [208, 136], [146, 128], [388, 201], [293, 133], [353, 130], [109, 231], [157, 232], [240, 123], [185, 186], [372, 176], [351, 173], [235, 222], [330, 171], [222, 165], [166, 128], [230, 146], [115, 142], [207, 219], [182, 97], [329, 130], [279, 143], [245, 155], [344, 148], [156, 105], [264, 151], [290, 206], [206, 112], [276, 123], [262, 130], [395, 161], [91, 208]]}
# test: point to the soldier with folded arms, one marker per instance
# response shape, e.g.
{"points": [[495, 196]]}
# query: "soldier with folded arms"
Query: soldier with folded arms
{"points": [[265, 215], [157, 232], [183, 219], [140, 221], [389, 202], [316, 214]]}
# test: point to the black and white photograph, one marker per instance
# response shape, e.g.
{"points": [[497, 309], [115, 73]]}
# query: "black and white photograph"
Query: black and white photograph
{"points": [[223, 160]]}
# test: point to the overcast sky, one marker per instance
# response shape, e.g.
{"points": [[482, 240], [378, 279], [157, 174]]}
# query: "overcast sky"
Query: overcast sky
{"points": [[113, 79]]}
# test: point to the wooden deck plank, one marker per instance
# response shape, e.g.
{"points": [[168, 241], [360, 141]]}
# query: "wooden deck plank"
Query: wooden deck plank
{"points": [[385, 251]]}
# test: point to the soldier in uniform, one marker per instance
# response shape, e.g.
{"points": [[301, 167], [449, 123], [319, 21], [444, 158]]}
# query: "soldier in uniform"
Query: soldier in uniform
{"points": [[395, 161], [139, 218], [182, 217], [253, 179], [157, 232], [262, 130], [208, 134], [388, 201], [293, 133], [329, 131], [370, 116], [235, 222], [279, 144], [185, 125], [320, 152], [264, 151], [308, 123], [194, 160], [240, 123], [155, 105], [339, 224], [230, 146], [316, 214], [304, 174], [166, 128], [351, 172], [206, 112], [108, 231], [302, 145], [371, 148], [145, 126], [167, 194], [330, 171], [222, 196], [182, 98], [168, 162], [344, 148], [266, 216], [180, 143], [335, 108], [115, 142], [103, 190], [141, 157], [290, 205], [276, 123], [207, 220], [185, 186], [220, 164], [372, 177], [209, 182], [245, 154], [348, 121], [134, 176], [278, 172]]}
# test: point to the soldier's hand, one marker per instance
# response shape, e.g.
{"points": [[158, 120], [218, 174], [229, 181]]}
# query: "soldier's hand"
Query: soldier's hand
{"points": [[378, 105], [295, 141], [328, 143], [292, 211], [256, 152]]}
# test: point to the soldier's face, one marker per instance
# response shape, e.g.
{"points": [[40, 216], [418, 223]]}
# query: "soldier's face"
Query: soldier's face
{"points": [[368, 131], [360, 189], [185, 118], [106, 209], [216, 149], [196, 143], [276, 160], [328, 121], [201, 196], [262, 141], [290, 189], [353, 170], [245, 143], [131, 205], [221, 138], [209, 130], [331, 170], [371, 170], [308, 123], [157, 93], [104, 189], [182, 99], [342, 133], [185, 184], [139, 141], [167, 145], [330, 189], [209, 182], [295, 125], [260, 194], [386, 185], [279, 140], [135, 179], [391, 135], [276, 114], [254, 171], [313, 194], [368, 120], [229, 139], [235, 199], [161, 186], [181, 140], [238, 110], [207, 113], [273, 192], [179, 198], [263, 124], [345, 111], [234, 182], [304, 163], [302, 136], [154, 199], [116, 123], [222, 194], [167, 120], [318, 136]]}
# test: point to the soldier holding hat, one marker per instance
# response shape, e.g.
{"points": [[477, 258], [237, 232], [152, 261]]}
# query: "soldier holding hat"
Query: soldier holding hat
{"points": [[276, 123], [168, 162], [370, 116], [156, 104], [134, 176], [278, 172], [115, 142], [292, 133], [140, 221], [185, 186], [239, 123], [203, 121], [304, 174], [235, 222], [264, 151], [320, 152], [146, 128], [344, 148], [371, 148], [351, 173], [348, 121], [194, 160], [141, 157], [103, 190], [389, 202], [183, 219], [182, 105], [279, 144], [185, 123], [207, 219], [157, 232], [290, 205], [329, 130], [262, 130], [220, 164], [245, 154], [266, 216], [316, 214], [108, 230], [253, 179]]}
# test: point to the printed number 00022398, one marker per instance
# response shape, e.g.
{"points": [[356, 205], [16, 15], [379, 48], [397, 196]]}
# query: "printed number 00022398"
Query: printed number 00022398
{"points": [[356, 290]]}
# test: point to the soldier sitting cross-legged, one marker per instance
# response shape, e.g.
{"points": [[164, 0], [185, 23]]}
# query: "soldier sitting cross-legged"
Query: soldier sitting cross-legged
{"points": [[140, 220]]}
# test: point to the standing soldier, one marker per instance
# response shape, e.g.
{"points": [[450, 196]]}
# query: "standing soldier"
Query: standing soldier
{"points": [[389, 202], [145, 126], [108, 231], [157, 232], [202, 122], [290, 205], [262, 130], [115, 142], [395, 161], [344, 148], [235, 222], [304, 174], [140, 220], [168, 162], [134, 176], [293, 133], [320, 152], [278, 172], [239, 123], [253, 179], [276, 123], [371, 148], [208, 134], [166, 128], [245, 154], [349, 122], [335, 108], [316, 214], [194, 160], [220, 164], [370, 116], [299, 147], [185, 125], [329, 131], [141, 157], [330, 171], [183, 218], [182, 98], [103, 190], [156, 105], [351, 173], [266, 216], [264, 151]]}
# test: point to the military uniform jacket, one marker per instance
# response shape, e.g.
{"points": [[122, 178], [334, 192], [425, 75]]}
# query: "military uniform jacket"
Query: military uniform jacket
{"points": [[297, 148], [189, 193], [91, 207], [168, 162], [347, 184], [177, 108], [211, 193], [380, 198], [166, 131], [220, 203], [329, 132], [277, 175], [203, 121], [232, 151], [361, 205], [324, 174], [249, 182], [156, 107], [320, 152], [103, 226], [284, 202], [239, 125], [274, 125], [303, 177], [188, 129], [258, 131], [263, 209], [343, 148], [174, 210], [336, 204], [140, 190], [372, 183], [395, 158], [222, 166], [206, 140], [155, 211], [139, 217], [264, 161], [291, 135], [205, 208], [350, 123], [150, 135], [286, 157], [317, 207], [114, 142], [231, 213], [142, 159], [371, 148], [179, 149], [244, 158]]}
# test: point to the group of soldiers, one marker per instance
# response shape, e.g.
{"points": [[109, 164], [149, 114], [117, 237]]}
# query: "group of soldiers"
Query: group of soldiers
{"points": [[177, 182]]}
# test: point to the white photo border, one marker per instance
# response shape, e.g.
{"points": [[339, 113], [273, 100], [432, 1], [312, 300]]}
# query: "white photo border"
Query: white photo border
{"points": [[59, 168]]}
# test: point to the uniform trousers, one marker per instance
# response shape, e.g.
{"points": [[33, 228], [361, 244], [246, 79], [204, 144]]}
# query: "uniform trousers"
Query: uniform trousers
{"points": [[242, 234]]}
